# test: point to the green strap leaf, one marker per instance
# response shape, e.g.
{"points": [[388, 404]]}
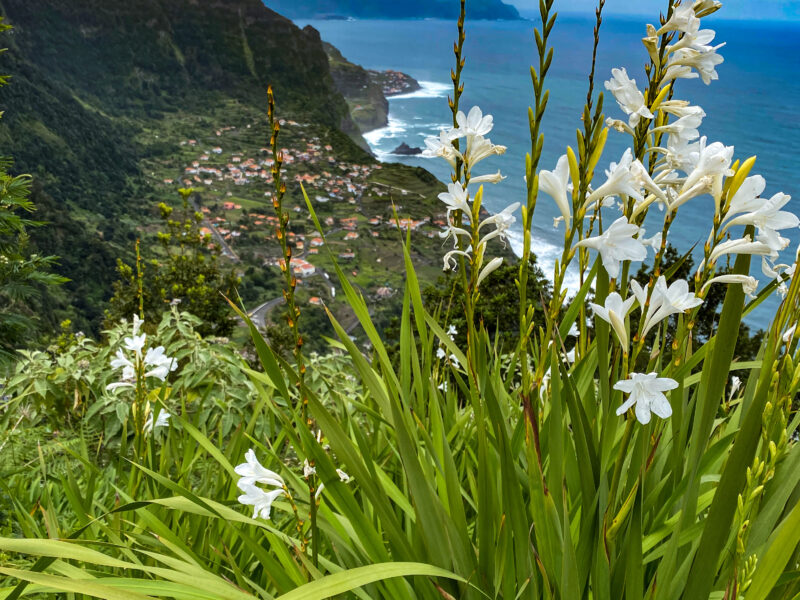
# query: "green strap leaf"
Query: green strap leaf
{"points": [[780, 550], [346, 581]]}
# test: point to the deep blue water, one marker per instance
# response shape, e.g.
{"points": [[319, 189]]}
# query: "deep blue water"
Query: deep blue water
{"points": [[754, 106]]}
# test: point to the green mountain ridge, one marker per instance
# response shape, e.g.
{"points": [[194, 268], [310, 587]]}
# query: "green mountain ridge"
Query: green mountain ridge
{"points": [[379, 9], [104, 98]]}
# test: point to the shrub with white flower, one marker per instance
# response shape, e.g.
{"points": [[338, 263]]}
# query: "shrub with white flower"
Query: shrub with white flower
{"points": [[138, 365]]}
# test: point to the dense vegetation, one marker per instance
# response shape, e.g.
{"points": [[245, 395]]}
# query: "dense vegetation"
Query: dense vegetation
{"points": [[89, 76]]}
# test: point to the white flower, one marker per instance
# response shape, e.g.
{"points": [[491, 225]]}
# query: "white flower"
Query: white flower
{"points": [[685, 127], [163, 364], [683, 19], [554, 183], [135, 343], [664, 301], [681, 108], [703, 8], [622, 180], [643, 179], [628, 96], [777, 272], [456, 198], [702, 59], [620, 126], [787, 337], [260, 500], [161, 421], [452, 332], [121, 360], [450, 262], [747, 197], [440, 353], [736, 383], [490, 178], [744, 245], [137, 324], [154, 357], [441, 146], [492, 265], [680, 154], [749, 284], [343, 477], [308, 470], [119, 384], [713, 160], [251, 471], [653, 242], [647, 394], [769, 219], [614, 312], [673, 299], [616, 244], [473, 124], [502, 222], [693, 51], [454, 232], [479, 148]]}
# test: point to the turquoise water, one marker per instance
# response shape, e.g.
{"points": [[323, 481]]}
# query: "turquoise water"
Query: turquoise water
{"points": [[754, 106]]}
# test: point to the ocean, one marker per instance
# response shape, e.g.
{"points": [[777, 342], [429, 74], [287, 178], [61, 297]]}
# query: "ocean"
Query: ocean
{"points": [[754, 106]]}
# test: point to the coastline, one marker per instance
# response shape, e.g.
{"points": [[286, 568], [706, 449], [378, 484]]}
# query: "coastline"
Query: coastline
{"points": [[402, 130]]}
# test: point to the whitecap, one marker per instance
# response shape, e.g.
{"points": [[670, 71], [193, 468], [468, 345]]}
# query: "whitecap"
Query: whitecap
{"points": [[392, 130], [430, 89], [546, 256]]}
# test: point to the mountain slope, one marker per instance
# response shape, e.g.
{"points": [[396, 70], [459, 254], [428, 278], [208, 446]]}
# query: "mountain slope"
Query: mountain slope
{"points": [[380, 9], [88, 76]]}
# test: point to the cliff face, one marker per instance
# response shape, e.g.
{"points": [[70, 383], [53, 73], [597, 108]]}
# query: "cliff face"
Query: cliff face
{"points": [[368, 104], [381, 9], [366, 90]]}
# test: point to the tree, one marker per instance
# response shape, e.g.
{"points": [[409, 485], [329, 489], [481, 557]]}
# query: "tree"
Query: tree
{"points": [[22, 274], [497, 306], [186, 270]]}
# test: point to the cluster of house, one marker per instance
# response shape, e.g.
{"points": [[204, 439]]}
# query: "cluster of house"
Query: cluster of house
{"points": [[395, 82], [324, 178]]}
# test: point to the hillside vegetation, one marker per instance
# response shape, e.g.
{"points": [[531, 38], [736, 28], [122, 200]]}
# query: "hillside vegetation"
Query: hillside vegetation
{"points": [[103, 91]]}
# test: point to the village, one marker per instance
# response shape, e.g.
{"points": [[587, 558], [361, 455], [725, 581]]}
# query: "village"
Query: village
{"points": [[230, 171]]}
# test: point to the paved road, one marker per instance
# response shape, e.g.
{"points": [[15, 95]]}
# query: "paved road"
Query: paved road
{"points": [[259, 314], [226, 249]]}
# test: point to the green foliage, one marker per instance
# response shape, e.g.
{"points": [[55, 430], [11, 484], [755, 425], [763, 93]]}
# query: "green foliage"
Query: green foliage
{"points": [[23, 274], [187, 272], [448, 468], [63, 388]]}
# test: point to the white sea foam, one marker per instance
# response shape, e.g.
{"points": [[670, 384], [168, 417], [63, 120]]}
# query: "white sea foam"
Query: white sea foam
{"points": [[546, 256], [396, 128], [430, 89]]}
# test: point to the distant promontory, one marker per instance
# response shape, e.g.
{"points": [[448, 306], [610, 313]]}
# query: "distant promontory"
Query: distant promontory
{"points": [[367, 91], [380, 9]]}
